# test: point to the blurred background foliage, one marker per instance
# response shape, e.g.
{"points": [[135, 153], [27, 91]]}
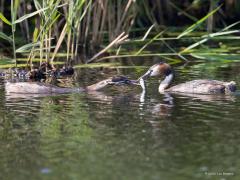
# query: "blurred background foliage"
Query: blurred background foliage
{"points": [[43, 28]]}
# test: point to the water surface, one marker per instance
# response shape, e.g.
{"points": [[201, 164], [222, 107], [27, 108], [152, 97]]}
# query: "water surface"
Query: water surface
{"points": [[117, 134]]}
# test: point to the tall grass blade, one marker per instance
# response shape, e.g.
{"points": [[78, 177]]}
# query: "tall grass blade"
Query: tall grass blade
{"points": [[35, 34], [183, 12], [85, 10], [221, 33], [198, 23], [231, 25], [16, 5], [148, 31], [2, 17], [194, 45], [207, 37], [27, 47], [4, 36], [37, 5], [33, 14], [29, 15], [13, 26], [149, 42]]}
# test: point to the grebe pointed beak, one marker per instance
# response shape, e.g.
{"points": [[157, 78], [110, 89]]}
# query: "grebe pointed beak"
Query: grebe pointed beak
{"points": [[146, 75]]}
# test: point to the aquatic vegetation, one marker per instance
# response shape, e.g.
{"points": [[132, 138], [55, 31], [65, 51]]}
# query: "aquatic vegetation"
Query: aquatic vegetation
{"points": [[117, 28]]}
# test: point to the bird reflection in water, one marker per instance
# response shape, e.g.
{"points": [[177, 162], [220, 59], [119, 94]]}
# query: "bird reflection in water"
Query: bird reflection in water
{"points": [[162, 109]]}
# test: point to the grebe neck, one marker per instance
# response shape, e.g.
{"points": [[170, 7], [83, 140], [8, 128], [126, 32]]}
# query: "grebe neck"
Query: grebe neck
{"points": [[165, 83]]}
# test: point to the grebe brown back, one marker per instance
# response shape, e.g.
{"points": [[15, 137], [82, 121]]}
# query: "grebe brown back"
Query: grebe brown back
{"points": [[201, 86]]}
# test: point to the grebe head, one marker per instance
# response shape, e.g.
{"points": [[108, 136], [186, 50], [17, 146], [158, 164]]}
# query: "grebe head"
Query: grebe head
{"points": [[158, 70], [121, 80]]}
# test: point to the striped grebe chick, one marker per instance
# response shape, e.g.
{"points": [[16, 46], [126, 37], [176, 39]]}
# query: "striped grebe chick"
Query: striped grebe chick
{"points": [[44, 88]]}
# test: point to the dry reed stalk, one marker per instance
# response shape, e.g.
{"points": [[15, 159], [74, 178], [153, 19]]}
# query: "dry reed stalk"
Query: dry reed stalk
{"points": [[103, 21], [210, 21], [59, 42], [170, 11], [24, 25], [110, 21], [121, 37], [149, 12], [123, 17], [96, 20], [77, 42], [160, 16], [49, 42], [87, 27], [119, 41], [72, 45], [69, 44], [45, 47]]}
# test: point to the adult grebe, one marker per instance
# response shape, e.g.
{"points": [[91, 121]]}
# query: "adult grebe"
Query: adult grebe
{"points": [[44, 88], [201, 86]]}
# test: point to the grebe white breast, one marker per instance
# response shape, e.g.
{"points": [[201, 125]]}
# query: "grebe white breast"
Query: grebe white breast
{"points": [[200, 86]]}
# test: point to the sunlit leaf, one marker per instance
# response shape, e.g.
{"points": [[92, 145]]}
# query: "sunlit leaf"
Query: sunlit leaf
{"points": [[231, 25], [221, 33], [35, 34], [29, 15], [2, 17]]}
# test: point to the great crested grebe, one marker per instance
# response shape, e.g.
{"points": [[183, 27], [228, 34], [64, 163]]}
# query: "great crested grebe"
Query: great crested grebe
{"points": [[201, 86], [44, 88]]}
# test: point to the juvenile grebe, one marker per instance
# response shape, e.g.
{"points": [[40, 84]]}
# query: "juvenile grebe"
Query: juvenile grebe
{"points": [[201, 86], [44, 88]]}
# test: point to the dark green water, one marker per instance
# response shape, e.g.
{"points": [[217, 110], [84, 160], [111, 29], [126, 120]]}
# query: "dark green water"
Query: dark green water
{"points": [[117, 135]]}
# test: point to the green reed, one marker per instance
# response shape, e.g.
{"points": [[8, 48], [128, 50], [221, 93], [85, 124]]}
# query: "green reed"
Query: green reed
{"points": [[53, 26]]}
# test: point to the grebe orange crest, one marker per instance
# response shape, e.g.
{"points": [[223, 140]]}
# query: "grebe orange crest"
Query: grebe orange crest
{"points": [[201, 86]]}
